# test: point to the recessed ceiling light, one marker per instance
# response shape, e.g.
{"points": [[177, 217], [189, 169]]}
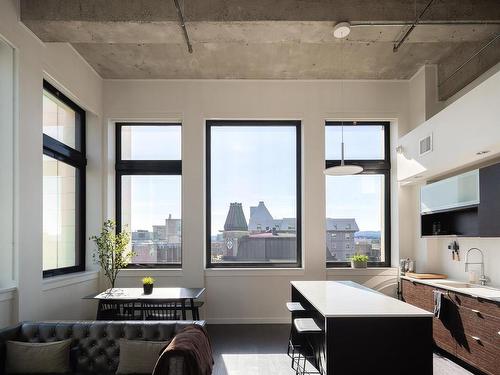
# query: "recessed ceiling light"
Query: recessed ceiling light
{"points": [[341, 30], [482, 152]]}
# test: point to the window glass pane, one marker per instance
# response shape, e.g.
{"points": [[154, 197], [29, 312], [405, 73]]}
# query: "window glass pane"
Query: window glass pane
{"points": [[253, 194], [59, 120], [59, 214], [354, 217], [361, 142], [151, 210], [144, 142]]}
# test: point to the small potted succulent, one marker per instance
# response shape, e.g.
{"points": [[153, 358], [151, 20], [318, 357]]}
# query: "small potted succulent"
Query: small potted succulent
{"points": [[147, 284], [359, 261]]}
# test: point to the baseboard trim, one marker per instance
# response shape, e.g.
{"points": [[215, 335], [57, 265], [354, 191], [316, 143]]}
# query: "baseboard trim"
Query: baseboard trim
{"points": [[248, 320]]}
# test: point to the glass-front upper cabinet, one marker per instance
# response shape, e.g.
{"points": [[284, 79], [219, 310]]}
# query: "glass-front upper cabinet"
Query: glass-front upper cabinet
{"points": [[451, 193]]}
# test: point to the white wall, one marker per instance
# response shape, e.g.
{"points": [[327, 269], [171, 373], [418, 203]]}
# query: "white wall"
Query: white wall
{"points": [[60, 64], [252, 295], [7, 306], [442, 260], [423, 97], [6, 164]]}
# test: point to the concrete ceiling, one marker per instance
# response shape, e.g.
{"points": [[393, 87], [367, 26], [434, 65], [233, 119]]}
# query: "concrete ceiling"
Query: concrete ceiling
{"points": [[280, 39]]}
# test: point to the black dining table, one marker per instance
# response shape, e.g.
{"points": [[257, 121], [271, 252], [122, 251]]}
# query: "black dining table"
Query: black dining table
{"points": [[179, 296]]}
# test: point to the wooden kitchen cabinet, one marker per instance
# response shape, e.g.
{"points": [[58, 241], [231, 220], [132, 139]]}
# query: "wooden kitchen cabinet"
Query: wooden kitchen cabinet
{"points": [[419, 294], [469, 328], [475, 323], [481, 354]]}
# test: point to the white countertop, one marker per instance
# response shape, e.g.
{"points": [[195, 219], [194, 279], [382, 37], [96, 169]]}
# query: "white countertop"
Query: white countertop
{"points": [[341, 299], [485, 292]]}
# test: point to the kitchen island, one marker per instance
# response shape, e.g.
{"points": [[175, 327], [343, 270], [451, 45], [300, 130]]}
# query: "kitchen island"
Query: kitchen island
{"points": [[365, 332]]}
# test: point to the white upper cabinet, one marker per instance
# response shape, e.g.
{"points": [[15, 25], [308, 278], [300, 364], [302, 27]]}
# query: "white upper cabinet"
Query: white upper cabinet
{"points": [[451, 193]]}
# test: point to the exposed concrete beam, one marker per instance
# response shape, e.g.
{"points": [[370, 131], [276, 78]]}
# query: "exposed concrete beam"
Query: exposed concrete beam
{"points": [[258, 10], [246, 32], [450, 81], [261, 61]]}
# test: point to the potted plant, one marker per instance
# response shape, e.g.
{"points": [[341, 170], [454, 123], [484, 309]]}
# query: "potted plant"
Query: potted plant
{"points": [[359, 261], [147, 284], [112, 253]]}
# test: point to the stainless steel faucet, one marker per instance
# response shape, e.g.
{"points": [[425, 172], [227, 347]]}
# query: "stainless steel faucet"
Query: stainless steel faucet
{"points": [[483, 279]]}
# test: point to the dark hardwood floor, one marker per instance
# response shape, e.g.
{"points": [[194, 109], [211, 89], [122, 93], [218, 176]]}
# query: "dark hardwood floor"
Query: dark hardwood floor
{"points": [[261, 349]]}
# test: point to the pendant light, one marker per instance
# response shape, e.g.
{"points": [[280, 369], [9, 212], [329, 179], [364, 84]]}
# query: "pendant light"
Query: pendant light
{"points": [[342, 169]]}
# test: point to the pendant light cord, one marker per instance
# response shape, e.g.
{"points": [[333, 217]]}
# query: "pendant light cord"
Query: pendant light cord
{"points": [[342, 98], [342, 149]]}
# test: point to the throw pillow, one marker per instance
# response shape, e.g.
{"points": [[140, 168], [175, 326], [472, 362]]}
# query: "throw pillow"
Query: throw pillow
{"points": [[139, 357], [39, 357]]}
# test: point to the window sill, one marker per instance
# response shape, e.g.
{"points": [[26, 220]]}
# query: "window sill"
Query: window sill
{"points": [[153, 272], [370, 271], [69, 279], [235, 272]]}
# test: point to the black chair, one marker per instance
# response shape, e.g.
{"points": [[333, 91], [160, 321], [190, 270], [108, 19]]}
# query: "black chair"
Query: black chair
{"points": [[117, 310], [195, 311], [159, 310]]}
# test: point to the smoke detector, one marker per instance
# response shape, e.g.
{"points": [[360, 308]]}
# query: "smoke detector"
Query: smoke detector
{"points": [[341, 30]]}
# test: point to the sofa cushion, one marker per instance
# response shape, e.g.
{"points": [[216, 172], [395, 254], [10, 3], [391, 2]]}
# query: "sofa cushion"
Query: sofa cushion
{"points": [[139, 357], [39, 358]]}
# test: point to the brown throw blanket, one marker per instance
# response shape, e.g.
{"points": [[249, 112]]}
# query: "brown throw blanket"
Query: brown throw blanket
{"points": [[193, 345]]}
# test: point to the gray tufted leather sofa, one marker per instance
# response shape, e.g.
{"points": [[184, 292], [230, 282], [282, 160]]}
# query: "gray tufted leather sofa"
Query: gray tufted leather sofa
{"points": [[95, 348]]}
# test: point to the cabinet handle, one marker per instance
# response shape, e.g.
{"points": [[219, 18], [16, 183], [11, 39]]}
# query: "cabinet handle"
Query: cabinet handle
{"points": [[476, 338], [476, 311]]}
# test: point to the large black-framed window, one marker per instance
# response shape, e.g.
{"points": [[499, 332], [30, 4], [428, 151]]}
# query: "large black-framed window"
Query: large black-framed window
{"points": [[64, 165], [253, 194], [358, 207], [148, 192]]}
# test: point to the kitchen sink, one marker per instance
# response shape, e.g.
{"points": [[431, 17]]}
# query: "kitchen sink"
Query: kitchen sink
{"points": [[472, 289]]}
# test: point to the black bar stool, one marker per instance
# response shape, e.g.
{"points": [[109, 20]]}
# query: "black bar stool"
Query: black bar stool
{"points": [[297, 310], [306, 329]]}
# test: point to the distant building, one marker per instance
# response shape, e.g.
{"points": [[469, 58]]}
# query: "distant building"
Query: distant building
{"points": [[141, 235], [235, 228], [261, 219], [340, 244], [286, 225], [162, 245], [159, 232], [173, 230], [264, 239]]}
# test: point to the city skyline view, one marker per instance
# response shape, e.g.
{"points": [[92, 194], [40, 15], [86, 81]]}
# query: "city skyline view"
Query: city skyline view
{"points": [[251, 165], [269, 165]]}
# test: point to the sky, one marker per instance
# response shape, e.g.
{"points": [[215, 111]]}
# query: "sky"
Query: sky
{"points": [[252, 164]]}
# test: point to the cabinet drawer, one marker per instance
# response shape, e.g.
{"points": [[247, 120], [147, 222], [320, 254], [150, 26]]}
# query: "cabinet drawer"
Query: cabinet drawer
{"points": [[486, 307], [418, 295], [443, 337], [480, 354], [477, 324]]}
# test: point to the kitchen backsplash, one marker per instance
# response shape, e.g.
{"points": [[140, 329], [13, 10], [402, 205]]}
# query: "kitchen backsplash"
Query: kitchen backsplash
{"points": [[433, 256]]}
